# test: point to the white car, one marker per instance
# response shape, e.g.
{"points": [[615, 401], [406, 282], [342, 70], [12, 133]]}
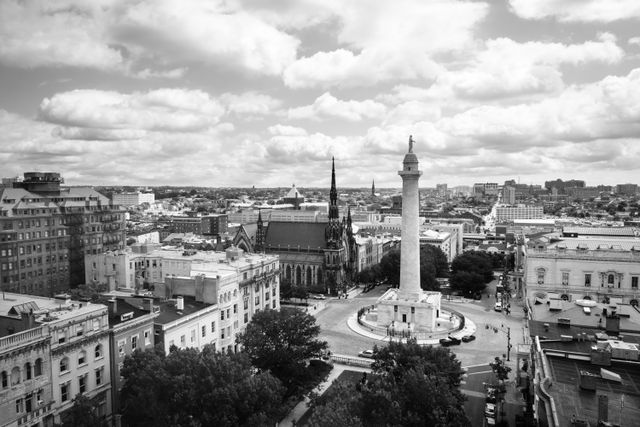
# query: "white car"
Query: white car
{"points": [[498, 306], [366, 353], [490, 410]]}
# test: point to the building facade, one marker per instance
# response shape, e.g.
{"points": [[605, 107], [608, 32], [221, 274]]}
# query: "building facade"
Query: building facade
{"points": [[133, 198], [46, 229], [585, 268], [510, 213]]}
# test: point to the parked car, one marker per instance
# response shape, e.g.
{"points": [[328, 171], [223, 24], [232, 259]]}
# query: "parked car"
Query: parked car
{"points": [[490, 421], [446, 342], [454, 340], [498, 306], [317, 296], [366, 353], [468, 338], [490, 410]]}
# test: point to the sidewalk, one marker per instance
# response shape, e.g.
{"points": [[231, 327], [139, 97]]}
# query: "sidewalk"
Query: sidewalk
{"points": [[301, 408]]}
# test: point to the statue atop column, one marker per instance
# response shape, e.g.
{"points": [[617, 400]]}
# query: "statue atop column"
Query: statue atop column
{"points": [[410, 143]]}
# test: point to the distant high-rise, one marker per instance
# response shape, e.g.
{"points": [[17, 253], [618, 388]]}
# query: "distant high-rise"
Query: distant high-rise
{"points": [[508, 195]]}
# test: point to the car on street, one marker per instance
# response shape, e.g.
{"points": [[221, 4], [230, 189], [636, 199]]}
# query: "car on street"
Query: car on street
{"points": [[445, 342], [498, 306], [468, 338], [317, 296], [366, 353], [454, 340], [490, 421], [490, 410]]}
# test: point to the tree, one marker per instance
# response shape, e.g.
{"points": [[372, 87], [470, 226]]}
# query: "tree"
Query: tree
{"points": [[83, 413], [281, 342], [471, 271], [433, 263], [189, 387], [410, 386]]}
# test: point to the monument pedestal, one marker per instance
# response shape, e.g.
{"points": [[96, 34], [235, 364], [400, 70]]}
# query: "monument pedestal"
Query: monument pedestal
{"points": [[408, 312]]}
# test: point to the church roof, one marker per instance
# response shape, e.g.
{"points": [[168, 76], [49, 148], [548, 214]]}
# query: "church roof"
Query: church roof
{"points": [[293, 234]]}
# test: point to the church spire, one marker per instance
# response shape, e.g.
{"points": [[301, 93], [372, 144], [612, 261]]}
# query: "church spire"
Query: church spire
{"points": [[333, 193], [373, 187]]}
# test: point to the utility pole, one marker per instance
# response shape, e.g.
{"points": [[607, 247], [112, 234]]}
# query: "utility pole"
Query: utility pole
{"points": [[508, 342]]}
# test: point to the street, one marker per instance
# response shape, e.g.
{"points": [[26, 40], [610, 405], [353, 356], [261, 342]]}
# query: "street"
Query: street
{"points": [[491, 342]]}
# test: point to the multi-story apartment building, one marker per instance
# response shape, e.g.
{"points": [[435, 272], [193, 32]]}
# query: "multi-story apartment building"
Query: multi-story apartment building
{"points": [[25, 364], [46, 229], [133, 198], [212, 295], [131, 325], [585, 268], [72, 348], [521, 211], [627, 189]]}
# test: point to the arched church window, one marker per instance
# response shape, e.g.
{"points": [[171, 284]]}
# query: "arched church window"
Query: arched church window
{"points": [[298, 275], [288, 275], [309, 276]]}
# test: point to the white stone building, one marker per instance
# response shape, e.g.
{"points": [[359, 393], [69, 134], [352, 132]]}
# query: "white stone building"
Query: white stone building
{"points": [[521, 211], [585, 268], [133, 198]]}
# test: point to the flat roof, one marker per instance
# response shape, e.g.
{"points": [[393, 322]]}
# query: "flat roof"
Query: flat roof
{"points": [[169, 311]]}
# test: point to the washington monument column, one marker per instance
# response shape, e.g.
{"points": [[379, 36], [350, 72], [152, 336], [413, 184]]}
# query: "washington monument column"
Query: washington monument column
{"points": [[410, 243]]}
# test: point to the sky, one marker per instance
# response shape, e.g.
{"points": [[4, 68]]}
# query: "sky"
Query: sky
{"points": [[241, 93]]}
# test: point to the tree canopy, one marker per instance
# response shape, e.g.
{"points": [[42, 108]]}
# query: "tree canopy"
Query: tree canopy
{"points": [[281, 342], [189, 387], [433, 263], [410, 386], [83, 413], [471, 271]]}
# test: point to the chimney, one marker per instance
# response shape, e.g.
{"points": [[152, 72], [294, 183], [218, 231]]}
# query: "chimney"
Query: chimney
{"points": [[28, 320], [148, 304], [113, 306], [180, 303]]}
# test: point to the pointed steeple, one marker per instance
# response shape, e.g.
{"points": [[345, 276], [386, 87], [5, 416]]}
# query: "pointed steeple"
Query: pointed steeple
{"points": [[333, 193], [373, 187], [333, 231], [260, 234]]}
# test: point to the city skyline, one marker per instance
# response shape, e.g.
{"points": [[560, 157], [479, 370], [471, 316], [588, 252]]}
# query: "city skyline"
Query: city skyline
{"points": [[238, 94]]}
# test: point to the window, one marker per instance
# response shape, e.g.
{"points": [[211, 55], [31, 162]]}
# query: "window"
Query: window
{"points": [[99, 375], [62, 337], [587, 279], [246, 303], [183, 341], [121, 345], [5, 379], [96, 324], [235, 308], [193, 335], [213, 327], [221, 314], [204, 331], [82, 358], [610, 280], [257, 300], [19, 406], [98, 351], [27, 371], [634, 282], [134, 342], [15, 376], [246, 318], [222, 333], [540, 274], [565, 278], [147, 337], [79, 330], [37, 368], [64, 365], [65, 391], [82, 383]]}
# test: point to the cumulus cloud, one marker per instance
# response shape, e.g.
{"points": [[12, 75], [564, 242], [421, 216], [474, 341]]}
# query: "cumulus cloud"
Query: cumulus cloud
{"points": [[284, 130], [171, 110], [250, 103], [116, 35], [507, 68], [327, 106], [577, 11]]}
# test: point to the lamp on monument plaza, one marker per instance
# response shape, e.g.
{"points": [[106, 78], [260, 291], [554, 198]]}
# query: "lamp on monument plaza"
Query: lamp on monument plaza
{"points": [[504, 330]]}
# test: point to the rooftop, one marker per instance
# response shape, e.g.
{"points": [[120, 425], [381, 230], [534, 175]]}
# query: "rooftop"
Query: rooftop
{"points": [[170, 313]]}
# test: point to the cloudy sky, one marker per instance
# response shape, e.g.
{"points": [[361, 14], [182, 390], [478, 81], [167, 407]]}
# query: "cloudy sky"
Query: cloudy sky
{"points": [[256, 92]]}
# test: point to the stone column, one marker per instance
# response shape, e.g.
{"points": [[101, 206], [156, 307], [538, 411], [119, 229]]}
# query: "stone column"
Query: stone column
{"points": [[410, 243]]}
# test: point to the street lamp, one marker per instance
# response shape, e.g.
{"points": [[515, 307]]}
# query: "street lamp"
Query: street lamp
{"points": [[508, 332]]}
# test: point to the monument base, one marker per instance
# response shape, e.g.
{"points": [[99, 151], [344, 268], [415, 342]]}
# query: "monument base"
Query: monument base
{"points": [[408, 312]]}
